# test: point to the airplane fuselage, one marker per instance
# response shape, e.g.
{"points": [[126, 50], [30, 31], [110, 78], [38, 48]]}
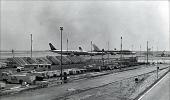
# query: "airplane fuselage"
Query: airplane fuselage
{"points": [[70, 52]]}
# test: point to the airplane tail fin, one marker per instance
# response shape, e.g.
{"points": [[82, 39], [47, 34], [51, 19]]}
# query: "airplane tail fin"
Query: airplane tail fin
{"points": [[80, 49], [95, 48], [52, 47]]}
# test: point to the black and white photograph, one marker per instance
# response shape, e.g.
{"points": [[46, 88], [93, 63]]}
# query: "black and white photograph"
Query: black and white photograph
{"points": [[84, 49]]}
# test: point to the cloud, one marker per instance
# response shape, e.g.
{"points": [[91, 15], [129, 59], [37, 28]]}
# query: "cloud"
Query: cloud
{"points": [[83, 21]]}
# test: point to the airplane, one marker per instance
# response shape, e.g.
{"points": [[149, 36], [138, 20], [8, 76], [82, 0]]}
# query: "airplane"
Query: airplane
{"points": [[96, 49], [74, 52], [163, 54], [126, 52], [113, 52], [68, 52], [92, 53]]}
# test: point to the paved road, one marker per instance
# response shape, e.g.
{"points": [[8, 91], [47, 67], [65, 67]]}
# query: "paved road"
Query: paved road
{"points": [[161, 91], [54, 92]]}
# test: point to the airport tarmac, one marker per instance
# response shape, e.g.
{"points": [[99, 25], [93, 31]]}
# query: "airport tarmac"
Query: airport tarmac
{"points": [[54, 92]]}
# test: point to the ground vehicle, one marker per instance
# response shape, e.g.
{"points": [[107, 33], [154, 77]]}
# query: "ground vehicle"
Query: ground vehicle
{"points": [[18, 78], [49, 74], [3, 65], [39, 75], [67, 71], [42, 83], [19, 69], [83, 70], [5, 75], [77, 70], [93, 68], [43, 67], [2, 85], [56, 73], [72, 72]]}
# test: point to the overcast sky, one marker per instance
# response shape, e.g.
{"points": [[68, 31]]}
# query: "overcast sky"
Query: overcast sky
{"points": [[84, 21]]}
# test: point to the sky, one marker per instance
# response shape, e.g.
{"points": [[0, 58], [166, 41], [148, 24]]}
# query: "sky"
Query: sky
{"points": [[84, 21]]}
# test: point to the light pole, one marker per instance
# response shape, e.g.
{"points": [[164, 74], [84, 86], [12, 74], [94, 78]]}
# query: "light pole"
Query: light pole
{"points": [[140, 50], [157, 70], [132, 50], [61, 29], [13, 57], [0, 47], [91, 49], [152, 55], [13, 53], [67, 46], [169, 25], [108, 53], [121, 53], [147, 52], [102, 57], [132, 55], [156, 53], [157, 64], [31, 45]]}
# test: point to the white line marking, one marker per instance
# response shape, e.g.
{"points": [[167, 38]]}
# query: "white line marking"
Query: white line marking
{"points": [[151, 88]]}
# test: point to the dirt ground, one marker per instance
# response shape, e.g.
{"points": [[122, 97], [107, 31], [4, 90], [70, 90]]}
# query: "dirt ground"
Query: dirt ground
{"points": [[126, 89]]}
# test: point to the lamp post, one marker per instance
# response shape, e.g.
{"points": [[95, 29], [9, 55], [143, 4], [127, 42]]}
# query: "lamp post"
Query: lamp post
{"points": [[13, 57], [67, 46], [132, 56], [102, 57], [108, 53], [121, 53], [152, 55], [157, 72], [140, 50], [91, 50], [61, 29], [132, 50], [13, 53], [31, 45], [0, 47], [147, 52]]}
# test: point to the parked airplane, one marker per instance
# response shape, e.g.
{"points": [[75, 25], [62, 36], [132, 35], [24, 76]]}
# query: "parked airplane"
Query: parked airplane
{"points": [[113, 52], [163, 54], [68, 52], [96, 49], [126, 52], [92, 53], [74, 52]]}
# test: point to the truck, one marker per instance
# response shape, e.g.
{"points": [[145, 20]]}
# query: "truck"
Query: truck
{"points": [[67, 71], [56, 73], [39, 75], [76, 70], [93, 67], [3, 65], [18, 78], [49, 74], [19, 69], [2, 85], [5, 75]]}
